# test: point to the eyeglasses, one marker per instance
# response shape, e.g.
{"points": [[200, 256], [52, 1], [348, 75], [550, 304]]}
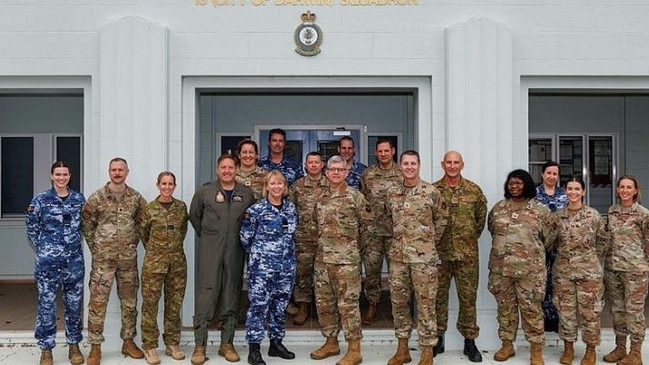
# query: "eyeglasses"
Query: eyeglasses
{"points": [[337, 169], [515, 183]]}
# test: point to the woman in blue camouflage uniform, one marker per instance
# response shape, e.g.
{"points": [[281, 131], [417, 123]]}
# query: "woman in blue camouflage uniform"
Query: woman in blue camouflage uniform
{"points": [[550, 194], [53, 222], [163, 232], [267, 237]]}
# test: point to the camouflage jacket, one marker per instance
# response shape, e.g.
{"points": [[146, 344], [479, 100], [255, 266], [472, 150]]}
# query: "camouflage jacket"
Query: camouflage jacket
{"points": [[164, 230], [353, 178], [111, 221], [375, 185], [554, 202], [629, 230], [53, 224], [255, 180], [267, 236], [521, 234], [289, 167], [582, 242], [419, 215], [467, 207], [304, 194], [343, 218]]}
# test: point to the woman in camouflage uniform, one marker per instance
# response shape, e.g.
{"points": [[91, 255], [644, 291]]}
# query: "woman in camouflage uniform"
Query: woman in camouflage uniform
{"points": [[53, 221], [248, 173], [550, 194], [164, 229], [522, 230], [577, 272], [625, 270], [267, 237]]}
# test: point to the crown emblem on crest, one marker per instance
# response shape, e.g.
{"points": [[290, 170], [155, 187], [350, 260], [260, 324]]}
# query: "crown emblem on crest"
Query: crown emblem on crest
{"points": [[308, 17]]}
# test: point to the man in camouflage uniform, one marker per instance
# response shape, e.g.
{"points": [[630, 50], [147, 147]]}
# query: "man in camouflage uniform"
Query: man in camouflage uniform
{"points": [[522, 230], [458, 250], [347, 150], [304, 193], [277, 160], [376, 181], [111, 219], [215, 212], [343, 217], [419, 217], [163, 233]]}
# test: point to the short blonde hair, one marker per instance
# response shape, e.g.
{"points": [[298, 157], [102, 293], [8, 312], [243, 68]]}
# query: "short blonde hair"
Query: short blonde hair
{"points": [[278, 175]]}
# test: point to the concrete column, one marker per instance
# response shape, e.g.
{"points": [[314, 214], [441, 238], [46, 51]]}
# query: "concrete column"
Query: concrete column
{"points": [[133, 120], [479, 103], [134, 108]]}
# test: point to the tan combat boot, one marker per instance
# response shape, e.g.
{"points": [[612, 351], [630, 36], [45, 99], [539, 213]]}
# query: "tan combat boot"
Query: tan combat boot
{"points": [[370, 315], [227, 350], [302, 314], [198, 356], [151, 356], [330, 348], [568, 353], [426, 356], [506, 351], [589, 356], [353, 355], [175, 352], [536, 353], [46, 357], [129, 348], [74, 354], [94, 357], [635, 355], [619, 352], [403, 353]]}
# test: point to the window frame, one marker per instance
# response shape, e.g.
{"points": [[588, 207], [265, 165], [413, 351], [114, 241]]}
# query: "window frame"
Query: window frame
{"points": [[45, 145]]}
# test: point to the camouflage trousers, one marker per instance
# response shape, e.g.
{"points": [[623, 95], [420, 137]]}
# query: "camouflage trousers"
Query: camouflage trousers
{"points": [[523, 294], [372, 255], [583, 298], [174, 281], [268, 293], [337, 291], [466, 274], [420, 279], [627, 291], [52, 274], [104, 272], [305, 257]]}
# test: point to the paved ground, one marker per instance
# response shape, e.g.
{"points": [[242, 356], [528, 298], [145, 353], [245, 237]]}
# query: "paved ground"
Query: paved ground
{"points": [[377, 348]]}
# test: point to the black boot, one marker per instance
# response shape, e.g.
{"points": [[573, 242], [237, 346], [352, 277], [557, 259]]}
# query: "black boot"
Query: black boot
{"points": [[439, 348], [277, 349], [471, 351], [254, 356]]}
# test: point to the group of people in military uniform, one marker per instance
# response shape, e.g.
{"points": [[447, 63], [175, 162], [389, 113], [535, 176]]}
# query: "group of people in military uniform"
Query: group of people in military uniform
{"points": [[316, 234], [113, 220]]}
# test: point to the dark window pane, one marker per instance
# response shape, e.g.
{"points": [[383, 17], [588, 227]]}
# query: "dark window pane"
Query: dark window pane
{"points": [[68, 149], [17, 174]]}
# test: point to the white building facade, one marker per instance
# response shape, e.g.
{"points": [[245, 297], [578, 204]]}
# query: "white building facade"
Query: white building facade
{"points": [[164, 84]]}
